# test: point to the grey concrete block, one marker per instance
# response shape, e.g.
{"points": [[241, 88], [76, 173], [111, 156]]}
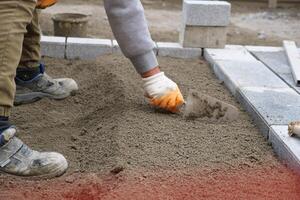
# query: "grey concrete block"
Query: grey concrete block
{"points": [[277, 106], [238, 74], [203, 37], [287, 148], [257, 118], [53, 46], [87, 48], [206, 13], [231, 52], [175, 50]]}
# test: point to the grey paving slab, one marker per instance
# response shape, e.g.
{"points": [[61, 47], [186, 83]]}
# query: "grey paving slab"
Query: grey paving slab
{"points": [[175, 50], [287, 148], [277, 62], [255, 115], [264, 48], [87, 48], [206, 13], [231, 52], [53, 46], [238, 74], [277, 106]]}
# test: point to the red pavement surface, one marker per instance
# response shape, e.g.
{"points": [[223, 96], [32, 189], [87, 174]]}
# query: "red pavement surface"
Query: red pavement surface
{"points": [[262, 183]]}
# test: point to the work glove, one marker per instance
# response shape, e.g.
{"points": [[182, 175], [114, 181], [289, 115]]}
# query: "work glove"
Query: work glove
{"points": [[163, 92], [42, 4]]}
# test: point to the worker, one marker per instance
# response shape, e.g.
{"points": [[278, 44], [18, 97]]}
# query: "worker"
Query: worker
{"points": [[20, 66]]}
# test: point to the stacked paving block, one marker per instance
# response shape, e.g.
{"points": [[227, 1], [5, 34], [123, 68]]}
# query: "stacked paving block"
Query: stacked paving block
{"points": [[204, 24]]}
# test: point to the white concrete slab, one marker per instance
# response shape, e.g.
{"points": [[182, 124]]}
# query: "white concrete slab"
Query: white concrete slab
{"points": [[237, 53], [263, 48], [87, 48], [238, 74], [53, 46], [175, 50], [287, 148]]}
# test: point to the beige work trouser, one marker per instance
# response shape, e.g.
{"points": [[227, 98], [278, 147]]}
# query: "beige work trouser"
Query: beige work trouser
{"points": [[19, 45]]}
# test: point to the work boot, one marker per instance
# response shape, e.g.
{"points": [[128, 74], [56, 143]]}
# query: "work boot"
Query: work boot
{"points": [[41, 86], [18, 159]]}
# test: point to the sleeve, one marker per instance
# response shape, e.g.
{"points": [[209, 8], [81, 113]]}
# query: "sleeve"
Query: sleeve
{"points": [[130, 28]]}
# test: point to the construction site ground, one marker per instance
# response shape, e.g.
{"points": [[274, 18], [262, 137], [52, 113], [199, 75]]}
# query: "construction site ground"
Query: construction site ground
{"points": [[119, 147]]}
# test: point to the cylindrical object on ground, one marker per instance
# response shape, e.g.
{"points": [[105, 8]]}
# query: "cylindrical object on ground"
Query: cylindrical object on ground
{"points": [[70, 24]]}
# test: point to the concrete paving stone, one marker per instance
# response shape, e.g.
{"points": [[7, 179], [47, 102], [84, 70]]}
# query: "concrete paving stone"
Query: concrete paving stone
{"points": [[53, 46], [264, 48], [278, 63], [203, 36], [87, 48], [175, 50], [287, 148], [257, 118], [289, 79], [231, 52], [206, 13], [277, 106], [238, 74]]}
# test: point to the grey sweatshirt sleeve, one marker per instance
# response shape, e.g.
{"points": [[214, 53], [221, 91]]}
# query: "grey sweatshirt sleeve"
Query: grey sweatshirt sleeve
{"points": [[128, 23]]}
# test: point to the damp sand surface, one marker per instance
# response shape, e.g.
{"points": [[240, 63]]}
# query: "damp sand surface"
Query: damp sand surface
{"points": [[109, 132]]}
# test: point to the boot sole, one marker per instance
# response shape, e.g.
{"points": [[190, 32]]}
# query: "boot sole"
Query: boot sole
{"points": [[36, 178], [36, 96]]}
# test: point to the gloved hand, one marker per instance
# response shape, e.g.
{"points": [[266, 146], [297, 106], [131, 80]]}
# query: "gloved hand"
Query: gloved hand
{"points": [[42, 4], [163, 92]]}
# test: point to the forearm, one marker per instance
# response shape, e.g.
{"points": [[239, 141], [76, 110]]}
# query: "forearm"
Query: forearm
{"points": [[130, 28]]}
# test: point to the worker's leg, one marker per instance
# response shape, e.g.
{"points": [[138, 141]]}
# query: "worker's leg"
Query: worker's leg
{"points": [[30, 57], [15, 157], [32, 82], [14, 17]]}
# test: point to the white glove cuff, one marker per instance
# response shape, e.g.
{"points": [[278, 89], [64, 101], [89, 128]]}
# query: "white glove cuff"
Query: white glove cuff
{"points": [[154, 79]]}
